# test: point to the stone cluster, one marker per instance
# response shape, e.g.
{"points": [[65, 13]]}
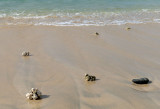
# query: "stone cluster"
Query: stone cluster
{"points": [[25, 53], [90, 77], [33, 94]]}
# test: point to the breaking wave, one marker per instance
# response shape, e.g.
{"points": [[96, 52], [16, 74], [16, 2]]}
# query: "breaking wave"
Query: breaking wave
{"points": [[81, 18]]}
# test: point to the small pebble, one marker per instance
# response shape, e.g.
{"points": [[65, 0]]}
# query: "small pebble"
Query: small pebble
{"points": [[97, 33], [128, 28], [25, 53]]}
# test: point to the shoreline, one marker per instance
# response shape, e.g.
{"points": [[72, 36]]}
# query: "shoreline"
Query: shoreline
{"points": [[81, 25]]}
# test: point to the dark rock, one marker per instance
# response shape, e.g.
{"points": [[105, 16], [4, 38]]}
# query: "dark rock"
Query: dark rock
{"points": [[90, 77], [128, 28], [93, 78], [97, 33], [141, 81]]}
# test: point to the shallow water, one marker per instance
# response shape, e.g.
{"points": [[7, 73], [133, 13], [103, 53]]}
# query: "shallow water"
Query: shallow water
{"points": [[78, 12]]}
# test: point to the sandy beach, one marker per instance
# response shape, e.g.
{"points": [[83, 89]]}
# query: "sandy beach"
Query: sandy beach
{"points": [[60, 56]]}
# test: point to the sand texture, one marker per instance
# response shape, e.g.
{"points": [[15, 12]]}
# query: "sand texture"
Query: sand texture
{"points": [[60, 56]]}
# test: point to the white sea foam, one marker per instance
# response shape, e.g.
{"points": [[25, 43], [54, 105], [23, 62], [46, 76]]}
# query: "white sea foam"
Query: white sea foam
{"points": [[81, 18], [2, 15]]}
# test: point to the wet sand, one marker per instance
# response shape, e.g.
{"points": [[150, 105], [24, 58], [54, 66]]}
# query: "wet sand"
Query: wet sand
{"points": [[60, 56]]}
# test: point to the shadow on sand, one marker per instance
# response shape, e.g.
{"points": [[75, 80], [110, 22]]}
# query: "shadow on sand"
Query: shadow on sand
{"points": [[44, 96]]}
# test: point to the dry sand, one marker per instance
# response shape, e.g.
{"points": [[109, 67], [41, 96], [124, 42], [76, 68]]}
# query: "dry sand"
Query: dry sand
{"points": [[60, 56]]}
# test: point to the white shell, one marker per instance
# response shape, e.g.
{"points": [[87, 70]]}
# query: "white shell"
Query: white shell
{"points": [[34, 90], [25, 53], [29, 96], [35, 96]]}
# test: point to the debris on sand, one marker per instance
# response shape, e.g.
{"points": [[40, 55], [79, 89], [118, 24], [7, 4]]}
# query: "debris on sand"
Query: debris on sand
{"points": [[25, 53], [128, 28], [141, 81], [33, 94], [90, 77], [97, 33]]}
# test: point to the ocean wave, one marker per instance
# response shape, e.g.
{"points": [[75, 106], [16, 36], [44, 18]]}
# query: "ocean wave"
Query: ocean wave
{"points": [[81, 18]]}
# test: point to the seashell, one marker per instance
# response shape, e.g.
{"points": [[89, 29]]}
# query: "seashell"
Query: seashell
{"points": [[35, 96], [39, 93], [34, 90], [29, 96], [87, 78], [25, 53], [141, 81]]}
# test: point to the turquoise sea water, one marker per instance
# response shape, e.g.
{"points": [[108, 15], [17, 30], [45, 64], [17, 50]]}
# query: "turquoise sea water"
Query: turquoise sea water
{"points": [[78, 12]]}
